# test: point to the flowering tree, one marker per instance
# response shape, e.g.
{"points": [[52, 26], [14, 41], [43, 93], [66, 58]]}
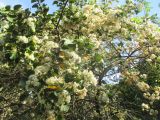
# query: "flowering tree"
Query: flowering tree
{"points": [[54, 66]]}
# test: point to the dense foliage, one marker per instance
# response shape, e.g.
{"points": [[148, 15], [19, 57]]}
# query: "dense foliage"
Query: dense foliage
{"points": [[85, 61]]}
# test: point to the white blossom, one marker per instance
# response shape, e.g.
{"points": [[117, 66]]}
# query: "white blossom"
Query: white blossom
{"points": [[74, 57], [30, 56], [5, 24], [22, 39], [145, 106], [143, 86], [81, 93], [54, 80], [144, 76], [64, 97], [35, 39], [33, 81], [48, 46], [42, 70], [153, 56], [89, 78], [31, 23]]}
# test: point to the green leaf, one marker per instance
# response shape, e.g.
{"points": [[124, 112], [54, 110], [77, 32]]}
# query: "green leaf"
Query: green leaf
{"points": [[9, 19], [147, 6], [32, 1], [137, 20], [158, 58], [55, 2], [91, 1], [17, 7], [71, 1], [98, 57], [69, 77], [8, 7], [13, 55], [41, 1], [35, 6], [70, 47]]}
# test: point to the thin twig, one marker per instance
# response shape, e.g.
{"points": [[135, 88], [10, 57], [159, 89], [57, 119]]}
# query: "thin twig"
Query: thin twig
{"points": [[61, 15]]}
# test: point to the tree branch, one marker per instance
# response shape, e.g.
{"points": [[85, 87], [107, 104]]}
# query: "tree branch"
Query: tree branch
{"points": [[61, 15]]}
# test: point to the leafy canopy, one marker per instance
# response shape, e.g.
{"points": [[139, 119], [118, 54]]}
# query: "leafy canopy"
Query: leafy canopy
{"points": [[56, 65]]}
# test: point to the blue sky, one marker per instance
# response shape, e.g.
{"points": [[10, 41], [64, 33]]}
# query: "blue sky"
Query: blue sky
{"points": [[27, 4], [154, 5]]}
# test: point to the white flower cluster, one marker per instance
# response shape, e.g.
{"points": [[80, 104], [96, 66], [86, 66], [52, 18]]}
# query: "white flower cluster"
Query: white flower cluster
{"points": [[95, 18], [154, 96], [64, 97], [75, 58], [29, 56], [146, 95], [82, 93], [48, 46], [144, 76], [31, 23], [95, 40], [42, 70], [22, 39], [153, 56], [112, 23], [143, 86], [35, 39], [51, 44], [51, 115], [54, 81], [150, 27], [153, 112], [145, 107], [89, 78], [88, 9], [32, 81], [47, 60], [4, 24], [131, 77]]}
